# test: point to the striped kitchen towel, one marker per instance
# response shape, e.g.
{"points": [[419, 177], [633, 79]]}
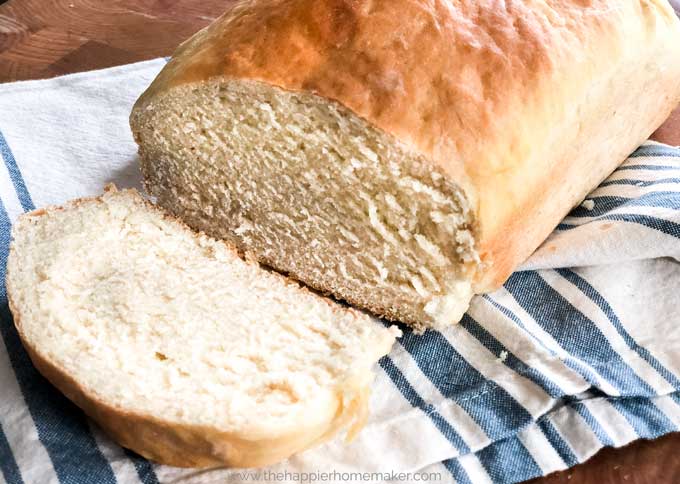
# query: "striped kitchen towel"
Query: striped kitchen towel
{"points": [[578, 350]]}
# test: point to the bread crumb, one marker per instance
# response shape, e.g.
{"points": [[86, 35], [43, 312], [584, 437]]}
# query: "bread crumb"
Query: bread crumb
{"points": [[588, 205], [245, 226], [502, 357]]}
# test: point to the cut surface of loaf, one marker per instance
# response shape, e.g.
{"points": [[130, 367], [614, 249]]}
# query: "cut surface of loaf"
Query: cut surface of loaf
{"points": [[403, 154], [316, 192], [178, 348]]}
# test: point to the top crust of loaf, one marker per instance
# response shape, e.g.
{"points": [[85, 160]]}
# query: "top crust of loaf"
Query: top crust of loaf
{"points": [[525, 105], [92, 327]]}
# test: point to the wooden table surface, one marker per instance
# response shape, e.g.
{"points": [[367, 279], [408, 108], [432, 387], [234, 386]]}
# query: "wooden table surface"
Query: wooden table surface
{"points": [[46, 38]]}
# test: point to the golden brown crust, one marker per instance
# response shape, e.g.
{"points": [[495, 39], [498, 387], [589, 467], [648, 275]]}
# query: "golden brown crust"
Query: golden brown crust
{"points": [[184, 445], [526, 105]]}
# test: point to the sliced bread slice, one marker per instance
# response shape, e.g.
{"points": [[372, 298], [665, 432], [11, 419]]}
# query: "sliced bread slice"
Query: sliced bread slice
{"points": [[178, 348]]}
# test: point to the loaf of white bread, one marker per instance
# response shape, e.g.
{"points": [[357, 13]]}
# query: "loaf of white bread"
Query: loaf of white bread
{"points": [[403, 154], [399, 154], [178, 348]]}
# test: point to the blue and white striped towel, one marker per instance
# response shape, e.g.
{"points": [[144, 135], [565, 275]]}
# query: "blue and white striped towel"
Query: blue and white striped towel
{"points": [[578, 351]]}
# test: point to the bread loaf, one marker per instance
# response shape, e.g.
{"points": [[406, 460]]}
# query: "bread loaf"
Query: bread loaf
{"points": [[403, 154], [179, 349]]}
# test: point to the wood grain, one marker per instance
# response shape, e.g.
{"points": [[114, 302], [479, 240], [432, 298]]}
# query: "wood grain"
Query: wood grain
{"points": [[644, 462], [45, 38]]}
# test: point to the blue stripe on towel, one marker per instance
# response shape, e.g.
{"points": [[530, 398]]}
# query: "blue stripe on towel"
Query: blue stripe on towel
{"points": [[577, 334], [675, 397], [8, 464], [653, 151], [457, 471], [665, 226], [492, 408], [592, 293], [508, 461], [560, 445], [417, 401], [143, 467], [15, 175], [648, 421], [572, 363], [511, 361], [640, 183], [648, 167], [606, 204], [593, 423], [517, 320]]}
